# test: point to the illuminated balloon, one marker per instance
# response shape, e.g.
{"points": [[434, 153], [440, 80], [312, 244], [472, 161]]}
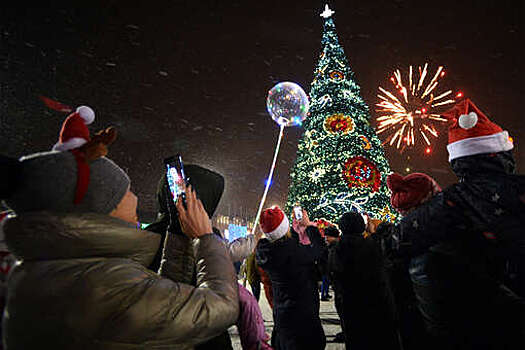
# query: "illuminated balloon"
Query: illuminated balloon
{"points": [[287, 104]]}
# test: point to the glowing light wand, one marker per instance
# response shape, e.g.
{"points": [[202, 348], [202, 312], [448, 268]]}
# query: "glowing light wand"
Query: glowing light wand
{"points": [[288, 105]]}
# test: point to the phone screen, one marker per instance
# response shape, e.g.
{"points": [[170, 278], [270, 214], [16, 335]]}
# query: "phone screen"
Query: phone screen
{"points": [[176, 177], [298, 212]]}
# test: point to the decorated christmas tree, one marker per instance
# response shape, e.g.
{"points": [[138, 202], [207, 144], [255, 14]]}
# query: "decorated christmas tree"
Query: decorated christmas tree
{"points": [[340, 164]]}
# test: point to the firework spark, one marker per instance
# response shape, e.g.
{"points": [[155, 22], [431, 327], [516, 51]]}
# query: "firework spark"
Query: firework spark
{"points": [[413, 110]]}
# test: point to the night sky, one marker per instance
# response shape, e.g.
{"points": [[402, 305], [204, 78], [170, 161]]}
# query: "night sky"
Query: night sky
{"points": [[192, 77]]}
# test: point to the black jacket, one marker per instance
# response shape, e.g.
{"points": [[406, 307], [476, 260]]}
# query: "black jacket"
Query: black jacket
{"points": [[487, 205], [468, 245], [291, 267], [368, 305]]}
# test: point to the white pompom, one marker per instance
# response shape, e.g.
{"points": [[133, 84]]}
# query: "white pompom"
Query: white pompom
{"points": [[87, 114], [468, 121]]}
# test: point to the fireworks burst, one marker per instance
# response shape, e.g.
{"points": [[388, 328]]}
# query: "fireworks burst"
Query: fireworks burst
{"points": [[415, 109]]}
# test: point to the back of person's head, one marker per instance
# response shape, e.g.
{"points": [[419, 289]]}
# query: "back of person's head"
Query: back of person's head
{"points": [[274, 223], [410, 191], [331, 231], [486, 164], [352, 223], [50, 181]]}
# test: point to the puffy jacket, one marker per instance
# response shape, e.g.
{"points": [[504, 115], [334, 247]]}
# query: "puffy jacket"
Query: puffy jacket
{"points": [[83, 284]]}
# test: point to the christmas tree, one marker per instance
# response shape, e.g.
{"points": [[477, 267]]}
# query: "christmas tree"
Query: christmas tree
{"points": [[340, 164]]}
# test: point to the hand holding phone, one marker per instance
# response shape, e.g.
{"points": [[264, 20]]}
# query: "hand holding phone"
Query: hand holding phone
{"points": [[194, 220]]}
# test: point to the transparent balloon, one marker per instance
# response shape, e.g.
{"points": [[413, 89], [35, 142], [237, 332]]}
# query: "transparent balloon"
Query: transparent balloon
{"points": [[287, 104]]}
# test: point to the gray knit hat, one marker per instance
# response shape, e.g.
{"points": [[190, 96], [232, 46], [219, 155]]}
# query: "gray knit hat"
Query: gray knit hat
{"points": [[48, 182]]}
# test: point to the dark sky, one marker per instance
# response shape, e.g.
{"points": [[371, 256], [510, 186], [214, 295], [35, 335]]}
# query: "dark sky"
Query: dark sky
{"points": [[192, 76]]}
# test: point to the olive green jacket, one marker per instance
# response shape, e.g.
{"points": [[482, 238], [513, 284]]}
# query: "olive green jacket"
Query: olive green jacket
{"points": [[82, 284]]}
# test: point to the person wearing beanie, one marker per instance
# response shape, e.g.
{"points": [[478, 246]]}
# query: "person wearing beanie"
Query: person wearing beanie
{"points": [[290, 266], [82, 280], [409, 279], [477, 226], [357, 264]]}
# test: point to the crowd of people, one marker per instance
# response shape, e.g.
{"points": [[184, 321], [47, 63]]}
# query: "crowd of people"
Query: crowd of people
{"points": [[448, 275]]}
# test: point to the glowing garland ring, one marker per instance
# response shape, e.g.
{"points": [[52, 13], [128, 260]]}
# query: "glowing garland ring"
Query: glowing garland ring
{"points": [[366, 142], [359, 172], [336, 75], [339, 123]]}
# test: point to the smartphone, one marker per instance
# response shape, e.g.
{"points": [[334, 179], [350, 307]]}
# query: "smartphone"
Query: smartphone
{"points": [[177, 180], [298, 212]]}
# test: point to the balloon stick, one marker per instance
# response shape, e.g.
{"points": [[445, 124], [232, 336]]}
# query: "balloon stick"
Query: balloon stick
{"points": [[270, 176]]}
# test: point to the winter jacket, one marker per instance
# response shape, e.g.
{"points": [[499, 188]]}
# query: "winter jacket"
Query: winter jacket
{"points": [[251, 323], [291, 268], [83, 284], [464, 242], [368, 306], [488, 204]]}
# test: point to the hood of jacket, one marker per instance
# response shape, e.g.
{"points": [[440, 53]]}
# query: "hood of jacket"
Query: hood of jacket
{"points": [[51, 236], [208, 184], [493, 164]]}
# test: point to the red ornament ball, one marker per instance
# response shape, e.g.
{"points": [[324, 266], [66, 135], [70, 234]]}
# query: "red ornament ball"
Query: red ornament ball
{"points": [[339, 123], [359, 172]]}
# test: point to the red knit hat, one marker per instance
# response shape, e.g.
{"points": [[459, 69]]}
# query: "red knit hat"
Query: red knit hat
{"points": [[471, 132], [410, 191], [74, 132], [274, 223]]}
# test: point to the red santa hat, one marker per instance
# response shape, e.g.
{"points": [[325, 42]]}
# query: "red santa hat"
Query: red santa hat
{"points": [[74, 132], [274, 223], [471, 132]]}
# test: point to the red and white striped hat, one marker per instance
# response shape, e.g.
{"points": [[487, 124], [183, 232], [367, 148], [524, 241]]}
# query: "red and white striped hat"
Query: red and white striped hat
{"points": [[471, 132], [274, 223]]}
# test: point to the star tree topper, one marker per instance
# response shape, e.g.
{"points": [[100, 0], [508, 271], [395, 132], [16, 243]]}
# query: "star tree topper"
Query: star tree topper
{"points": [[327, 12]]}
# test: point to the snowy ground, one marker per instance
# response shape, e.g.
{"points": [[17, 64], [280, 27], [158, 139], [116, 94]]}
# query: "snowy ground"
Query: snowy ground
{"points": [[328, 315]]}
